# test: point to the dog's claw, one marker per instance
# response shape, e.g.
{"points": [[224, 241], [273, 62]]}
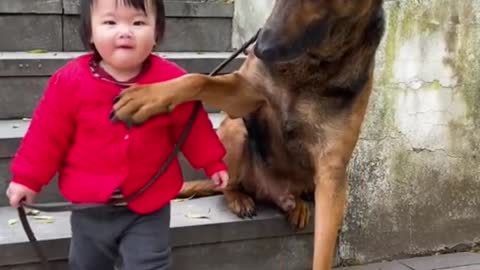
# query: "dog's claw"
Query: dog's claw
{"points": [[299, 216], [242, 205], [112, 117]]}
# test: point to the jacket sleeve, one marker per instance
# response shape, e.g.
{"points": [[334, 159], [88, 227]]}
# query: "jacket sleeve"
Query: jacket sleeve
{"points": [[202, 148], [47, 138]]}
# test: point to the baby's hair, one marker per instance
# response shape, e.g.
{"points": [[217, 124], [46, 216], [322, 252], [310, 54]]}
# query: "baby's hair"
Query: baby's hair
{"points": [[86, 18]]}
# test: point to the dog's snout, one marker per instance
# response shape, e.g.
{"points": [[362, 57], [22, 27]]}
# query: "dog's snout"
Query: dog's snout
{"points": [[266, 47], [264, 52], [273, 47]]}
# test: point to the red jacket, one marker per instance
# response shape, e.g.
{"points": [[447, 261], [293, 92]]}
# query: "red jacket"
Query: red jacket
{"points": [[71, 134]]}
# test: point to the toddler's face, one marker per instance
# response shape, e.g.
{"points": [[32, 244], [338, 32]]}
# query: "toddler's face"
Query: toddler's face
{"points": [[122, 35]]}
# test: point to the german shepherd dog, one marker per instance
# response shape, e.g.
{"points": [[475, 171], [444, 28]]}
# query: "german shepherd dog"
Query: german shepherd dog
{"points": [[295, 109]]}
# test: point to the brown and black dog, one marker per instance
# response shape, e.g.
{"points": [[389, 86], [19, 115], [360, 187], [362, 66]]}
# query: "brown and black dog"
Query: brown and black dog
{"points": [[295, 109]]}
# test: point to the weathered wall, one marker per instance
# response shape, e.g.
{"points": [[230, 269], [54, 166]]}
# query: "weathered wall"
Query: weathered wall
{"points": [[415, 174], [248, 16]]}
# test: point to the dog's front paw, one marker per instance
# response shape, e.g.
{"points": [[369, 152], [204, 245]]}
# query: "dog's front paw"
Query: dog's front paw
{"points": [[139, 103]]}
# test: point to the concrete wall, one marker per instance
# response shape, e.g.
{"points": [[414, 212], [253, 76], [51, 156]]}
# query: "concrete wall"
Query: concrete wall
{"points": [[248, 16], [415, 174]]}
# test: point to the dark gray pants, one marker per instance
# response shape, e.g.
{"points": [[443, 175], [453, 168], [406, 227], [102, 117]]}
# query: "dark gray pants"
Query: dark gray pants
{"points": [[100, 236]]}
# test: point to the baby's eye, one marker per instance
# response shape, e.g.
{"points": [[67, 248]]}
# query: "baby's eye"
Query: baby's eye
{"points": [[109, 22], [136, 23]]}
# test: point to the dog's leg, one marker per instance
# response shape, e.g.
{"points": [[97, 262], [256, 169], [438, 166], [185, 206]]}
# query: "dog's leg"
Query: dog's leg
{"points": [[330, 198], [231, 93]]}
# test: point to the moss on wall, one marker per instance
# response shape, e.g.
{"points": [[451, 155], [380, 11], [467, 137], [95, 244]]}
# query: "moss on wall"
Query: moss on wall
{"points": [[415, 175]]}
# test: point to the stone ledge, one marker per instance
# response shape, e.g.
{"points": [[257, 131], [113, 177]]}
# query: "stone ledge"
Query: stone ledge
{"points": [[22, 64], [31, 6], [454, 261], [12, 131], [70, 7], [219, 226], [23, 75], [217, 9]]}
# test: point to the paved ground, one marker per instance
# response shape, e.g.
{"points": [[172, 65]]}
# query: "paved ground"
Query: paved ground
{"points": [[457, 261]]}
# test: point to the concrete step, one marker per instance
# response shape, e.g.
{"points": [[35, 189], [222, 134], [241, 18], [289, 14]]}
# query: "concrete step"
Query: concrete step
{"points": [[11, 133], [205, 236], [53, 25], [23, 75]]}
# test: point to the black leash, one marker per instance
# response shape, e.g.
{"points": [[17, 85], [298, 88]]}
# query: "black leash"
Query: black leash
{"points": [[64, 207]]}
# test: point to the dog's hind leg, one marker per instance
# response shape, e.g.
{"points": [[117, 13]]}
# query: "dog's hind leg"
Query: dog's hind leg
{"points": [[299, 216]]}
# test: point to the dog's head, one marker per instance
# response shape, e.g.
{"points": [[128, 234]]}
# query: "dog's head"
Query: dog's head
{"points": [[296, 26]]}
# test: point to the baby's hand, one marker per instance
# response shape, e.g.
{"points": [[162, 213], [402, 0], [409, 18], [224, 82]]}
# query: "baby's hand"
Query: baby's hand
{"points": [[17, 193], [220, 179]]}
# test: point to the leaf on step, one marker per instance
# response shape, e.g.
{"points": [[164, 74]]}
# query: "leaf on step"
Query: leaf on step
{"points": [[199, 216], [44, 219], [12, 221], [184, 199], [33, 212], [38, 51]]}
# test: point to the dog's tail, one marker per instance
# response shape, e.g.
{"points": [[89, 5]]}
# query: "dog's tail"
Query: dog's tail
{"points": [[197, 189]]}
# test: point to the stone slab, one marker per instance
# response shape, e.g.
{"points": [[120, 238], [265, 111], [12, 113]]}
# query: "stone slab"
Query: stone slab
{"points": [[378, 266], [220, 227], [50, 193], [11, 133], [444, 261], [19, 96], [219, 9], [469, 267], [31, 6], [292, 252], [29, 32], [258, 254], [182, 34], [25, 64], [203, 34], [23, 76]]}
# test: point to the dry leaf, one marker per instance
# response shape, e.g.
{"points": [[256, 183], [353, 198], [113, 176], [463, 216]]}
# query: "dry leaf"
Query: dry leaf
{"points": [[199, 216], [42, 217], [184, 199], [38, 51], [33, 212], [12, 221]]}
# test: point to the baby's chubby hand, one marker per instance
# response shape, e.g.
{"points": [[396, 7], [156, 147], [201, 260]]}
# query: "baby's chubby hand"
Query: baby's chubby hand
{"points": [[220, 179], [16, 193]]}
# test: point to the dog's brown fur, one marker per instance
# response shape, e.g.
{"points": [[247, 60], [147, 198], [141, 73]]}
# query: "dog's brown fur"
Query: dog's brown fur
{"points": [[295, 110]]}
